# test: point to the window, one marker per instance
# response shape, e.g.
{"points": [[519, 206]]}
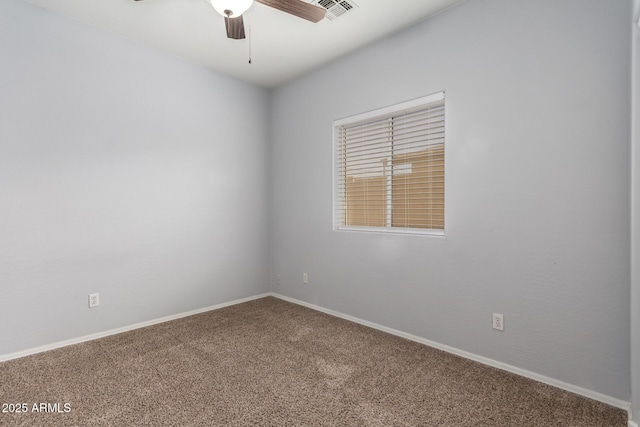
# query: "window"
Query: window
{"points": [[389, 168]]}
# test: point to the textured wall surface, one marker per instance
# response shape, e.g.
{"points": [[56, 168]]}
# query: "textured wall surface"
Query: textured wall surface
{"points": [[537, 188], [635, 225], [123, 171]]}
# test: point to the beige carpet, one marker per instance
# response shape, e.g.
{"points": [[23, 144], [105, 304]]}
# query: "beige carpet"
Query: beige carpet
{"points": [[269, 362]]}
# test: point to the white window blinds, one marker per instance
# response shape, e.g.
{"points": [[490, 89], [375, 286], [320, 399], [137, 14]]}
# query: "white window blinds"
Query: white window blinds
{"points": [[389, 168]]}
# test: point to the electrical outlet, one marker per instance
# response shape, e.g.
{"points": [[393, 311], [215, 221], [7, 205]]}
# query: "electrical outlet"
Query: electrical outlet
{"points": [[305, 278], [498, 322], [278, 280], [94, 300]]}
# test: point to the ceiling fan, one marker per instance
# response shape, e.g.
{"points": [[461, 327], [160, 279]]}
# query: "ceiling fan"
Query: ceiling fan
{"points": [[232, 11]]}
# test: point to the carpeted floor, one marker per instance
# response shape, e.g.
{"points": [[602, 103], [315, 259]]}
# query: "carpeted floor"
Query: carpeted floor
{"points": [[269, 362]]}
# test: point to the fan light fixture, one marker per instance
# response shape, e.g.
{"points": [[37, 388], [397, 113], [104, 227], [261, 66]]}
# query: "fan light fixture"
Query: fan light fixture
{"points": [[231, 8], [232, 11]]}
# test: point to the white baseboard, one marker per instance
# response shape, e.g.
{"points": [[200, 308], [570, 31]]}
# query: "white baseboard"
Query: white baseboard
{"points": [[97, 335], [632, 424], [484, 360]]}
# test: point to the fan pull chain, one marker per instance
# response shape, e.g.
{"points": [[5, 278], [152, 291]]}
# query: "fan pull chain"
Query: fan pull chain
{"points": [[249, 44]]}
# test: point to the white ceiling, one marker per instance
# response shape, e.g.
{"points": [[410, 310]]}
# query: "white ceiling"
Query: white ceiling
{"points": [[282, 46]]}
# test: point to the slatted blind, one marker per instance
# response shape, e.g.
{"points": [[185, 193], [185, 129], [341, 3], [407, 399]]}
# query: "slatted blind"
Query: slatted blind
{"points": [[390, 168]]}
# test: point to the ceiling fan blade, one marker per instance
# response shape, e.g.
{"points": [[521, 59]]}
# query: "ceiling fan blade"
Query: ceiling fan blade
{"points": [[235, 27], [298, 8]]}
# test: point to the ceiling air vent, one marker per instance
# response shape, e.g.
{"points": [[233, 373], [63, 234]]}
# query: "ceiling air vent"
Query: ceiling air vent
{"points": [[335, 8]]}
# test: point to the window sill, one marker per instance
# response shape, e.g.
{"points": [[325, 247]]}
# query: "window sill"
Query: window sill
{"points": [[388, 230]]}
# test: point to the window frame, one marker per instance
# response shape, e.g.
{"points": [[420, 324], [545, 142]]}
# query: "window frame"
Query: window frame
{"points": [[380, 113]]}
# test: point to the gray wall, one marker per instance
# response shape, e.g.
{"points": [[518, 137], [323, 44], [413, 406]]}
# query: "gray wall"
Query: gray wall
{"points": [[635, 197], [537, 188], [123, 171]]}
